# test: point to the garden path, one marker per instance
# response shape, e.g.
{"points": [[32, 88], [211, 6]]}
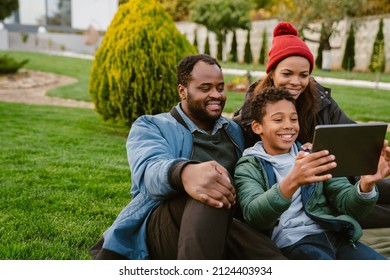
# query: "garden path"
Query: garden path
{"points": [[31, 86]]}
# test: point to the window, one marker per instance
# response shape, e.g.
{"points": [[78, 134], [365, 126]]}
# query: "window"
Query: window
{"points": [[58, 12]]}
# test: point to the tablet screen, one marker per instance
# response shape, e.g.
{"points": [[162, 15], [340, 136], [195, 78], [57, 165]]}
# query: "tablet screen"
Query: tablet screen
{"points": [[356, 147]]}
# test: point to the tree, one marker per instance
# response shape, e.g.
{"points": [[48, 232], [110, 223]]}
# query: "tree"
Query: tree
{"points": [[258, 4], [207, 45], [264, 48], [134, 71], [248, 58], [348, 62], [177, 9], [221, 16], [318, 60], [378, 58], [196, 39], [303, 13], [233, 57], [7, 7]]}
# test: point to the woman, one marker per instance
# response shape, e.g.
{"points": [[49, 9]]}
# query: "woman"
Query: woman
{"points": [[290, 64]]}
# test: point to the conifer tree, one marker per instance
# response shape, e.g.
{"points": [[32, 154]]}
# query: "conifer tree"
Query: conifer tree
{"points": [[348, 62], [196, 40], [233, 52], [378, 57], [207, 45], [264, 48], [247, 51], [219, 50], [134, 70], [318, 60]]}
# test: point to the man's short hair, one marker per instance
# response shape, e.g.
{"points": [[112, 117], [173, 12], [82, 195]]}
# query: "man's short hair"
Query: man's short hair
{"points": [[186, 65]]}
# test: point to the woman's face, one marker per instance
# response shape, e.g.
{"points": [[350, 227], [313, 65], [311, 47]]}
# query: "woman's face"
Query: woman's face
{"points": [[292, 73]]}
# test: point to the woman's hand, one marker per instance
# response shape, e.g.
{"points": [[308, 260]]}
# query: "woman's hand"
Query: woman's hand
{"points": [[367, 181]]}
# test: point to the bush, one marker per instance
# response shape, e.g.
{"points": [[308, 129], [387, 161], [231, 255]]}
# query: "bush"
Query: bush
{"points": [[8, 65], [134, 71]]}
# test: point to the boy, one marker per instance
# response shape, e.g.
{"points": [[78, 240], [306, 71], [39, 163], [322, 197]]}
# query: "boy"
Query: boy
{"points": [[307, 215]]}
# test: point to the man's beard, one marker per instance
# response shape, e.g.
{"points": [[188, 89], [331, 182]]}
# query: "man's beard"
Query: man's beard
{"points": [[199, 112]]}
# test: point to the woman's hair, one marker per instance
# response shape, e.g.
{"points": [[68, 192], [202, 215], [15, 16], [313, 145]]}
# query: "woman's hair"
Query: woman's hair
{"points": [[306, 105]]}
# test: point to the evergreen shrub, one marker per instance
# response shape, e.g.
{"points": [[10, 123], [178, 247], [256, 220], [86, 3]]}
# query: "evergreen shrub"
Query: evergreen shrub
{"points": [[233, 57], [9, 65], [134, 71], [207, 45], [248, 58], [378, 56], [264, 48], [348, 62]]}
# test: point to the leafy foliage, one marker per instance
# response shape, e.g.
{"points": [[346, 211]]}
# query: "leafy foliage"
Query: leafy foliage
{"points": [[7, 7], [177, 9], [303, 13], [134, 71], [222, 16], [348, 62]]}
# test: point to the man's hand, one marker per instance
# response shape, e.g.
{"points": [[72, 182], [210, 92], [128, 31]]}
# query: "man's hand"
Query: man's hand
{"points": [[209, 183]]}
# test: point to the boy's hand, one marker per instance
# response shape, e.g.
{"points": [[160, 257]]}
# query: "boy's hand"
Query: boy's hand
{"points": [[307, 165]]}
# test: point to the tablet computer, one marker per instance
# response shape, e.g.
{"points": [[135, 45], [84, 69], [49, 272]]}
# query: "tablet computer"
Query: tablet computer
{"points": [[357, 147]]}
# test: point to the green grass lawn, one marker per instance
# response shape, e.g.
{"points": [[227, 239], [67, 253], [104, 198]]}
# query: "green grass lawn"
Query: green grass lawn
{"points": [[64, 178], [64, 172]]}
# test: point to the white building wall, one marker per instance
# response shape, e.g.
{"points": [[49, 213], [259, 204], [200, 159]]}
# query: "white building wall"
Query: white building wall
{"points": [[32, 12], [96, 13]]}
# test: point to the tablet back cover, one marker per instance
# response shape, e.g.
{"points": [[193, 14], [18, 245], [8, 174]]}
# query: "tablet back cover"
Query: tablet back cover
{"points": [[356, 147]]}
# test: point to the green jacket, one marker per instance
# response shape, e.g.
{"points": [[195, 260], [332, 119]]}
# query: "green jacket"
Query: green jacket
{"points": [[335, 203]]}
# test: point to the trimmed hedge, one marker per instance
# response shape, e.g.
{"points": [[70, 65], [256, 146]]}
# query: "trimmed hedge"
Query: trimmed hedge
{"points": [[134, 71]]}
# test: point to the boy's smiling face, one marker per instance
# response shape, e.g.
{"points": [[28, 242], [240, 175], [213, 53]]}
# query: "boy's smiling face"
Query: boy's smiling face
{"points": [[279, 127]]}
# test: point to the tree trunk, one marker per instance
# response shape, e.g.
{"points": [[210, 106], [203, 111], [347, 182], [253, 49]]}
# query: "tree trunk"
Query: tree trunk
{"points": [[326, 60]]}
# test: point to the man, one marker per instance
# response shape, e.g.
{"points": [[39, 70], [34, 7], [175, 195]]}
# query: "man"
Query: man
{"points": [[183, 194]]}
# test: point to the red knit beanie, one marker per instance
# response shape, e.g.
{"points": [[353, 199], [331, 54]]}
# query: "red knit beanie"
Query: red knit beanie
{"points": [[287, 43]]}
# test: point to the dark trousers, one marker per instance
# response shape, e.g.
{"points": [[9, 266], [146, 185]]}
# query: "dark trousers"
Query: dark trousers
{"points": [[183, 228], [330, 246]]}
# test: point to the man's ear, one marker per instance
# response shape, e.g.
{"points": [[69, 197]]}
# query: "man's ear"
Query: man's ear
{"points": [[257, 128], [182, 92]]}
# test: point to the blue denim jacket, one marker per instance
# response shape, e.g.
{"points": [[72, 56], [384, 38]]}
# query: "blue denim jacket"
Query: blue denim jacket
{"points": [[154, 144]]}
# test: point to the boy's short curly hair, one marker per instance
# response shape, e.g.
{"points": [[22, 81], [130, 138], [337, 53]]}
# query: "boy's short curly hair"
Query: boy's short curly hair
{"points": [[266, 96]]}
